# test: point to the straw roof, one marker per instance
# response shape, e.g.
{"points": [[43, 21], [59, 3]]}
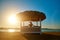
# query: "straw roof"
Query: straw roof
{"points": [[31, 16]]}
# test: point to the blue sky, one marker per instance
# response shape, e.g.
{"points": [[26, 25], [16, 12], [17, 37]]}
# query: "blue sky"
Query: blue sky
{"points": [[51, 8]]}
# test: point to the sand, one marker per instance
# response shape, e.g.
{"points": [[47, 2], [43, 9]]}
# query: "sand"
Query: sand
{"points": [[19, 36]]}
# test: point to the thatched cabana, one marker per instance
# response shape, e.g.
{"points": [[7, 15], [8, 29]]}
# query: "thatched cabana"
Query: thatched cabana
{"points": [[33, 16]]}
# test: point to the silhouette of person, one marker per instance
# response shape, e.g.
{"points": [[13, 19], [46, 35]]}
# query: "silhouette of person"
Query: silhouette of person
{"points": [[30, 24]]}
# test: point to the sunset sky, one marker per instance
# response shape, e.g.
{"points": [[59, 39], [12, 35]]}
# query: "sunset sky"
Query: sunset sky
{"points": [[51, 8]]}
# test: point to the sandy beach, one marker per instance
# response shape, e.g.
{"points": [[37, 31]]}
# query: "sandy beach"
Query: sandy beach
{"points": [[19, 36]]}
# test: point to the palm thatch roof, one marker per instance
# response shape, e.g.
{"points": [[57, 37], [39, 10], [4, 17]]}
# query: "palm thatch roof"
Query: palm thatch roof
{"points": [[31, 16]]}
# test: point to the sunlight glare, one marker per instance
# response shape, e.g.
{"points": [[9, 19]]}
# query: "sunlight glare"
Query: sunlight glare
{"points": [[12, 19], [11, 30]]}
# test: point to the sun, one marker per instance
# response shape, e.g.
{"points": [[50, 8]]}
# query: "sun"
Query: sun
{"points": [[12, 19]]}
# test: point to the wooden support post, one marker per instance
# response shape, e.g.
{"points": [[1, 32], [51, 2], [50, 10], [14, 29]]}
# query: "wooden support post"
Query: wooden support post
{"points": [[40, 26], [22, 23]]}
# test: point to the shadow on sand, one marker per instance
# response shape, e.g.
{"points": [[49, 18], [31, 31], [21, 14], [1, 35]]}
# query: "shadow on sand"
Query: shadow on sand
{"points": [[19, 36], [41, 37]]}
